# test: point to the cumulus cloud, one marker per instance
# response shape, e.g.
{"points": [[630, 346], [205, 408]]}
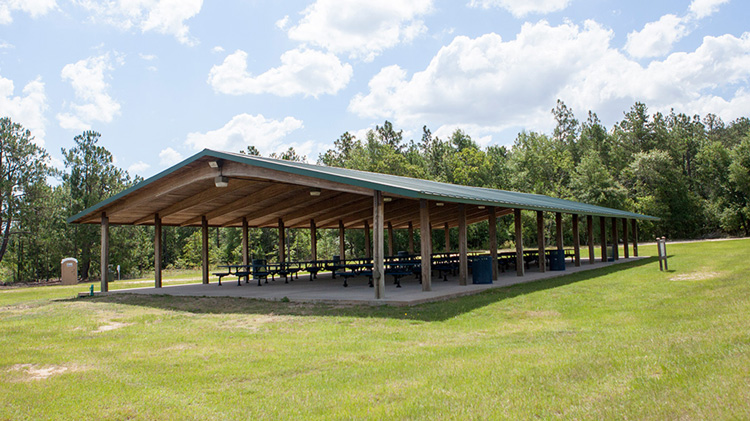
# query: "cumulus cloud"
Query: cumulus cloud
{"points": [[27, 110], [656, 38], [302, 72], [703, 8], [87, 77], [245, 129], [360, 28], [35, 8], [138, 168], [490, 84], [521, 8], [169, 157], [163, 16]]}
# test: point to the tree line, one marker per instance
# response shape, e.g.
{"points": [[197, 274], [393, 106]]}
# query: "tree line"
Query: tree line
{"points": [[693, 172]]}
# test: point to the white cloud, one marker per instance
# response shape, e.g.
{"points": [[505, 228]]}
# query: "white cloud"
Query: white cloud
{"points": [[245, 129], [521, 8], [489, 85], [217, 49], [27, 110], [704, 8], [656, 38], [147, 57], [169, 157], [360, 28], [138, 168], [305, 72], [35, 8], [163, 16], [283, 22], [87, 77]]}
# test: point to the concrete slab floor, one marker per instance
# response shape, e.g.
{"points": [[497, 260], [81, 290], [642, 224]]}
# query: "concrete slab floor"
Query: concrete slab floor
{"points": [[325, 289]]}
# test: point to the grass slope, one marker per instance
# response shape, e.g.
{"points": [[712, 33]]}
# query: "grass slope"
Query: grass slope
{"points": [[619, 342]]}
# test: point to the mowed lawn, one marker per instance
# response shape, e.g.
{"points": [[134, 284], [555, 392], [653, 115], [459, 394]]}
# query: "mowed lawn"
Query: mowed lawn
{"points": [[625, 342]]}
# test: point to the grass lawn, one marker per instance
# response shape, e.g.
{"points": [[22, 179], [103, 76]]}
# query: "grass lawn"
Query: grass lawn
{"points": [[625, 342]]}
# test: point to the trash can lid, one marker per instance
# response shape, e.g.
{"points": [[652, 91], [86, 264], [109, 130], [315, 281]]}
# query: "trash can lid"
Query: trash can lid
{"points": [[69, 259]]}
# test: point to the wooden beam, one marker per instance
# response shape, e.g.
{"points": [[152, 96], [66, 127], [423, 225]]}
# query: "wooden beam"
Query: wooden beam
{"points": [[204, 249], [615, 240], [245, 242], [492, 221], [353, 211], [625, 240], [313, 241], [590, 234], [425, 249], [559, 231], [634, 224], [104, 261], [157, 251], [368, 245], [463, 256], [262, 196], [411, 238], [378, 272], [519, 242], [282, 241], [390, 239], [313, 208], [576, 241], [447, 232], [395, 208], [603, 231], [540, 241], [342, 240]]}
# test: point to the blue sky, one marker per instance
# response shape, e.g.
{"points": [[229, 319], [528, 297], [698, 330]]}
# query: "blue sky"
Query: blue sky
{"points": [[163, 79]]}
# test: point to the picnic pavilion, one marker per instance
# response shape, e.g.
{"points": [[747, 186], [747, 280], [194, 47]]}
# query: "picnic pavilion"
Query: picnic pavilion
{"points": [[222, 189]]}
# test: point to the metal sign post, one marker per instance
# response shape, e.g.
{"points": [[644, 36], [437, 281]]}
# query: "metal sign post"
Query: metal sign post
{"points": [[661, 245]]}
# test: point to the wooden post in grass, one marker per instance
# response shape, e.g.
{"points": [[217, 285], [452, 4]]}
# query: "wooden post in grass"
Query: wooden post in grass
{"points": [[540, 241], [411, 238], [463, 258], [368, 246], [576, 241], [104, 261], [204, 248], [634, 224], [615, 240], [590, 233], [625, 240], [390, 239], [447, 232], [378, 273], [519, 242], [314, 240], [425, 249], [492, 220], [157, 251], [603, 230], [342, 241]]}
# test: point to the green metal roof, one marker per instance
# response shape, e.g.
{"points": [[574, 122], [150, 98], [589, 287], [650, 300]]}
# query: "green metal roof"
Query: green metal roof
{"points": [[396, 185]]}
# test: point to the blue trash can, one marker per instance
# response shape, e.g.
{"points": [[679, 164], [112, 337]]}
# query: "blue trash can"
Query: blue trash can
{"points": [[557, 260], [610, 253], [481, 270]]}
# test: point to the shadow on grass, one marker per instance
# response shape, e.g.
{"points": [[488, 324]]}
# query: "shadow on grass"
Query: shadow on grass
{"points": [[429, 312]]}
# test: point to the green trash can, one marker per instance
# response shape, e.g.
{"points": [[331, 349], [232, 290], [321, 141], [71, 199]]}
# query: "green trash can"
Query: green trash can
{"points": [[481, 270], [557, 260]]}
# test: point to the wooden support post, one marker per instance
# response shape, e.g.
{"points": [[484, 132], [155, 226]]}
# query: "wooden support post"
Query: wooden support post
{"points": [[411, 238], [157, 251], [492, 221], [368, 244], [378, 272], [204, 248], [313, 241], [520, 269], [282, 241], [540, 241], [559, 231], [625, 240], [425, 249], [342, 241], [105, 252], [603, 229], [447, 232], [590, 234], [463, 256], [634, 224], [576, 241], [245, 245], [615, 240], [391, 252]]}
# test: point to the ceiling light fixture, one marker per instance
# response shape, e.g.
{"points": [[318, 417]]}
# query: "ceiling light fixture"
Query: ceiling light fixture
{"points": [[481, 207], [315, 192], [214, 164], [387, 199], [221, 181], [439, 204]]}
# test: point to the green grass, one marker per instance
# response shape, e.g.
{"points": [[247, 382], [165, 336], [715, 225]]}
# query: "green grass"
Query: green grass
{"points": [[624, 342]]}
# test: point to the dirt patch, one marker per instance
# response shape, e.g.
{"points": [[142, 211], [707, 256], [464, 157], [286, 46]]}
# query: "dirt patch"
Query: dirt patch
{"points": [[35, 372], [111, 326], [694, 276], [254, 323]]}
